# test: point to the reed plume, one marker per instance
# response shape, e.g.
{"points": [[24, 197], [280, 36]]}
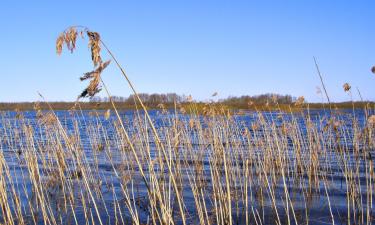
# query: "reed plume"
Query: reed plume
{"points": [[68, 38]]}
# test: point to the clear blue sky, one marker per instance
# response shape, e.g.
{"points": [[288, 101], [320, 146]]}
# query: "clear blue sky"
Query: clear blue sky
{"points": [[191, 47]]}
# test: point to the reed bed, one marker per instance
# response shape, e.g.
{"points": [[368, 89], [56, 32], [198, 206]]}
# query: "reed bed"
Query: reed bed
{"points": [[184, 167], [263, 168]]}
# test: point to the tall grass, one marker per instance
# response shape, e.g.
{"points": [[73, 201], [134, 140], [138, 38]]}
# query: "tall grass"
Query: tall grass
{"points": [[182, 167]]}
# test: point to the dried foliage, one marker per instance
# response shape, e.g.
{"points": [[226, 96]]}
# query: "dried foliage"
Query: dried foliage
{"points": [[60, 43], [94, 75], [94, 44], [69, 39], [347, 87]]}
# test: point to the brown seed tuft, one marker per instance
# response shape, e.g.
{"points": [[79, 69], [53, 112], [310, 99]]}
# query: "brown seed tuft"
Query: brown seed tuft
{"points": [[94, 75], [94, 44], [346, 87], [70, 39], [59, 43]]}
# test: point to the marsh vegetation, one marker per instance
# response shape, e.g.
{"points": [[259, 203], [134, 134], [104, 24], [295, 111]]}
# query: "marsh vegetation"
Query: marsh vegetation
{"points": [[182, 166]]}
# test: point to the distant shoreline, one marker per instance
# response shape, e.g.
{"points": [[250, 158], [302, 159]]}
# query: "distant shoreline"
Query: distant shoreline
{"points": [[30, 106]]}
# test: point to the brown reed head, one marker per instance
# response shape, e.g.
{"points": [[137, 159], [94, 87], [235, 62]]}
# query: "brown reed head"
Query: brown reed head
{"points": [[69, 39], [94, 76], [346, 87], [94, 44]]}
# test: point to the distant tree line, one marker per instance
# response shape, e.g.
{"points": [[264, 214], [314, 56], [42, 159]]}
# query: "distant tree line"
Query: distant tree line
{"points": [[150, 99], [259, 100], [169, 98]]}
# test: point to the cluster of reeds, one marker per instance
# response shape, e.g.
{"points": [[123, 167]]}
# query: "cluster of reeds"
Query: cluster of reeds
{"points": [[182, 167]]}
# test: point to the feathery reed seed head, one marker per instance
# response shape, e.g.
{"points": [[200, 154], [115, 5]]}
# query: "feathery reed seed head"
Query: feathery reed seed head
{"points": [[94, 75], [60, 43], [94, 44], [69, 38], [346, 87]]}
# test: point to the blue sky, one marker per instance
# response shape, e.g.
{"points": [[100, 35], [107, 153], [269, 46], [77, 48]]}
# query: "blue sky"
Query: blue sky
{"points": [[191, 47]]}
